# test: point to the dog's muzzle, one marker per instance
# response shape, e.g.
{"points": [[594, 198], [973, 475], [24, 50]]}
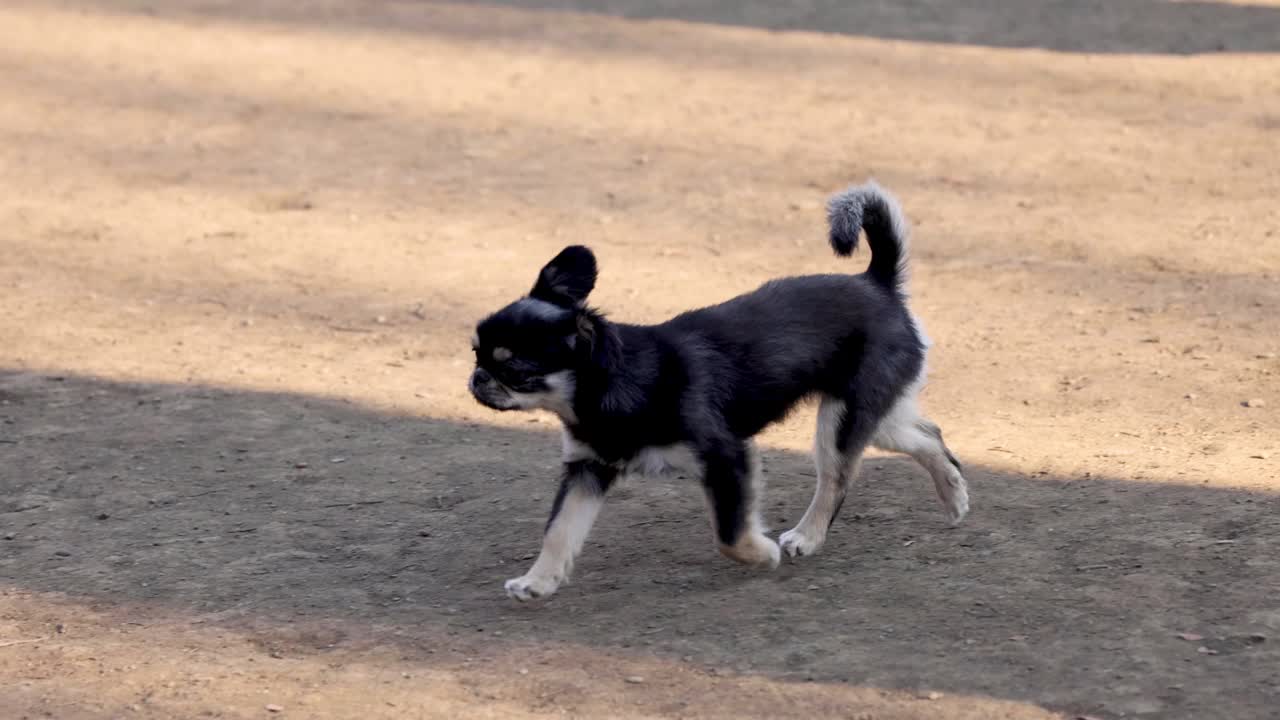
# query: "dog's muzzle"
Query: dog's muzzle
{"points": [[488, 391]]}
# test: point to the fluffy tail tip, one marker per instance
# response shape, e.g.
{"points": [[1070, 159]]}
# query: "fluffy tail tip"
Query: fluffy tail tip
{"points": [[846, 213]]}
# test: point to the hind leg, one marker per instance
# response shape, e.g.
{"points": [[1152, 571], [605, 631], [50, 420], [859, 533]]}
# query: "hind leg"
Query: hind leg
{"points": [[835, 470], [905, 430]]}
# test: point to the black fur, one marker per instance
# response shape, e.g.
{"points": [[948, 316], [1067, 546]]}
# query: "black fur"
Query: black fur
{"points": [[715, 377]]}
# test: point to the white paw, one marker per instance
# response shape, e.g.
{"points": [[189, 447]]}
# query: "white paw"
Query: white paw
{"points": [[956, 506], [755, 549], [798, 543], [774, 554], [527, 587]]}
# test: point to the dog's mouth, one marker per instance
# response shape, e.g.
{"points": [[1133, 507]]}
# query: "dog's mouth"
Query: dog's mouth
{"points": [[495, 394], [492, 395]]}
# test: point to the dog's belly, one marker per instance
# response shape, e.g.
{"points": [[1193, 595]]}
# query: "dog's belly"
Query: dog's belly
{"points": [[651, 460], [661, 460]]}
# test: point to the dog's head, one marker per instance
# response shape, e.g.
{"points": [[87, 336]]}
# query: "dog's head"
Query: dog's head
{"points": [[528, 352]]}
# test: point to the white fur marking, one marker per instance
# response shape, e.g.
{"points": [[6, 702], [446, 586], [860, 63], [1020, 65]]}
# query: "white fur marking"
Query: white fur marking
{"points": [[835, 470], [501, 354], [558, 397], [904, 430], [661, 459], [561, 544], [574, 449]]}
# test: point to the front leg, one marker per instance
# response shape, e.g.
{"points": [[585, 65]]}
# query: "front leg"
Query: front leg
{"points": [[573, 512]]}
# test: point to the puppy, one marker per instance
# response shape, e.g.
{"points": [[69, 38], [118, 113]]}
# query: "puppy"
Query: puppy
{"points": [[711, 379]]}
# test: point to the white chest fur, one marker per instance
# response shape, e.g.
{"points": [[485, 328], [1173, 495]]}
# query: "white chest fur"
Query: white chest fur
{"points": [[650, 461]]}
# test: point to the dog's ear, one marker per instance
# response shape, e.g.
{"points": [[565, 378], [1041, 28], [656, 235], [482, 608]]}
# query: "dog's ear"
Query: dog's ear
{"points": [[586, 329], [568, 278]]}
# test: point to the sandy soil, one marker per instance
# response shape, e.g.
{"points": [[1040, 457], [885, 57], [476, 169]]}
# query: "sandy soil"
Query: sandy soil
{"points": [[243, 244]]}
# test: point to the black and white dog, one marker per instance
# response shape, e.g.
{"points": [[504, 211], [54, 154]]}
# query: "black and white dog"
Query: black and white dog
{"points": [[711, 379]]}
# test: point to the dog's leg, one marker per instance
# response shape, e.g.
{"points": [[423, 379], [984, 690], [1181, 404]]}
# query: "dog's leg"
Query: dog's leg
{"points": [[573, 512], [835, 469], [734, 485], [905, 430]]}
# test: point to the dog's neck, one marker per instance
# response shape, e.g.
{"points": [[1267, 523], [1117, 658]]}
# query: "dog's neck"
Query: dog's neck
{"points": [[606, 381]]}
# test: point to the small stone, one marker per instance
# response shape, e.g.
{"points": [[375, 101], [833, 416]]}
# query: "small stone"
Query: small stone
{"points": [[814, 587], [301, 466], [103, 516], [424, 533], [9, 536], [272, 707], [1257, 638], [1190, 396], [337, 460], [381, 319], [60, 628], [62, 553], [1190, 637], [1206, 651], [1254, 403], [524, 671], [634, 679], [1259, 456]]}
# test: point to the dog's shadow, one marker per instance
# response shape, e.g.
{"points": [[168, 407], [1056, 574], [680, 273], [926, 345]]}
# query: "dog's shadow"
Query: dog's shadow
{"points": [[235, 505]]}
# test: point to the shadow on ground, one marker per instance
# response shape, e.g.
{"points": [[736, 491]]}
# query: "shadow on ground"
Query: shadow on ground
{"points": [[1084, 26], [261, 511]]}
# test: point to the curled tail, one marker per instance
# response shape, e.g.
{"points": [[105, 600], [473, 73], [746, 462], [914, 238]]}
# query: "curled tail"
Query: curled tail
{"points": [[869, 207]]}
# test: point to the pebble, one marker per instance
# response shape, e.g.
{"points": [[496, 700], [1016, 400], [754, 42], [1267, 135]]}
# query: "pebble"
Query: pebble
{"points": [[301, 465], [1254, 403], [635, 679], [272, 707]]}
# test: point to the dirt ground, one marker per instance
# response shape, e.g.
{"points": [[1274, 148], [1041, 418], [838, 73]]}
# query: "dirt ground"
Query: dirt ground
{"points": [[243, 244]]}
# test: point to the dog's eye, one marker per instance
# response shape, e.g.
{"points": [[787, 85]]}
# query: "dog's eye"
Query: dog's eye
{"points": [[501, 354]]}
